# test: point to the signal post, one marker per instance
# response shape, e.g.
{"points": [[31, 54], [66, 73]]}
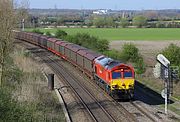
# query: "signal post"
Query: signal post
{"points": [[165, 74]]}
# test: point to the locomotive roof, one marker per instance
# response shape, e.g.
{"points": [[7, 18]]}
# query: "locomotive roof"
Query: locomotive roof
{"points": [[107, 62]]}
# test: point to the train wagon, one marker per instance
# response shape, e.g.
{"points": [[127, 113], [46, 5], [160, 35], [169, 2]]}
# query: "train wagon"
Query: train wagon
{"points": [[51, 44], [88, 61], [62, 49], [43, 41], [58, 48], [73, 52]]}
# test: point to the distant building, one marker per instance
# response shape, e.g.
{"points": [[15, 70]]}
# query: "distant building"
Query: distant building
{"points": [[100, 12]]}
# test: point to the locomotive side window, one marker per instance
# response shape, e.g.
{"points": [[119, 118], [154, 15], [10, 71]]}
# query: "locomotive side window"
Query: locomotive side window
{"points": [[116, 75]]}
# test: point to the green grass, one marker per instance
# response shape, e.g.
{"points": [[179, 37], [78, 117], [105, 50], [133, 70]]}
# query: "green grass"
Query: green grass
{"points": [[126, 33]]}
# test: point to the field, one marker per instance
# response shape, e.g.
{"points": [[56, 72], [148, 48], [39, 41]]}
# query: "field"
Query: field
{"points": [[154, 34]]}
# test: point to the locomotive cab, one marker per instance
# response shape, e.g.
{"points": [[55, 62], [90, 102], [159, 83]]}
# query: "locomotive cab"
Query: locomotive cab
{"points": [[122, 78], [117, 77]]}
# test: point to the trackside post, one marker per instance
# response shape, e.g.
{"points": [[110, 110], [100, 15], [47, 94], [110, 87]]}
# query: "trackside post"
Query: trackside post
{"points": [[51, 81], [165, 75]]}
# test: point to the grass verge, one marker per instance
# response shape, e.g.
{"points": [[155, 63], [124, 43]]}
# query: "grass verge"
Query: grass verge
{"points": [[28, 98]]}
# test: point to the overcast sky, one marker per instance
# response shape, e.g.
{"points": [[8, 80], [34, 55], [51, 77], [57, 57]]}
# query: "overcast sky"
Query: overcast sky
{"points": [[106, 4]]}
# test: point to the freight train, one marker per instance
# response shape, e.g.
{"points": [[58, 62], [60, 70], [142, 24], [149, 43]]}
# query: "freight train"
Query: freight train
{"points": [[115, 77]]}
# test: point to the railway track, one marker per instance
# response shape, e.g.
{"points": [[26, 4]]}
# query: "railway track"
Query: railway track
{"points": [[143, 112], [97, 112], [89, 101]]}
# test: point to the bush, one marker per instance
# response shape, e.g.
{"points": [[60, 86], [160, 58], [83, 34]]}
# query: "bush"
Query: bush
{"points": [[91, 42], [10, 109], [172, 52], [37, 31], [139, 21], [124, 22], [60, 34], [130, 53], [102, 45], [48, 33], [113, 54], [140, 66]]}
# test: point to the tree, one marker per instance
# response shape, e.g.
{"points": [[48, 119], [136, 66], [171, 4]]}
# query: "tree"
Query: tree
{"points": [[172, 52], [8, 20], [139, 21], [102, 45], [109, 22], [61, 21], [99, 22], [37, 31], [124, 22], [22, 12], [130, 52], [7, 24], [89, 23], [60, 34]]}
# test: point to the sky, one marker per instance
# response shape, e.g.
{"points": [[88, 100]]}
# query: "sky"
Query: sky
{"points": [[106, 4]]}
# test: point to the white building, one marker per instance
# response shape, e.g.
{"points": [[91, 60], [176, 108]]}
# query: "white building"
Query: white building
{"points": [[100, 12]]}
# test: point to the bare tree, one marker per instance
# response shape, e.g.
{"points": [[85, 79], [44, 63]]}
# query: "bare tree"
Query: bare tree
{"points": [[9, 17], [7, 24], [22, 11]]}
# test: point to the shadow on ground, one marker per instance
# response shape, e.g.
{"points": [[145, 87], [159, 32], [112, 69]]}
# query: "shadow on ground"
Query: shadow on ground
{"points": [[147, 95]]}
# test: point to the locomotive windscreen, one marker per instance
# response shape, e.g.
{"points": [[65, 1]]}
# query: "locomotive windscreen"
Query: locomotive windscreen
{"points": [[128, 74], [122, 72], [116, 75]]}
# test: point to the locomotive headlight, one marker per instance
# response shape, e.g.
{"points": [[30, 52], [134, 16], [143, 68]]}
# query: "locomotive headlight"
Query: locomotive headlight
{"points": [[115, 86], [124, 85]]}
